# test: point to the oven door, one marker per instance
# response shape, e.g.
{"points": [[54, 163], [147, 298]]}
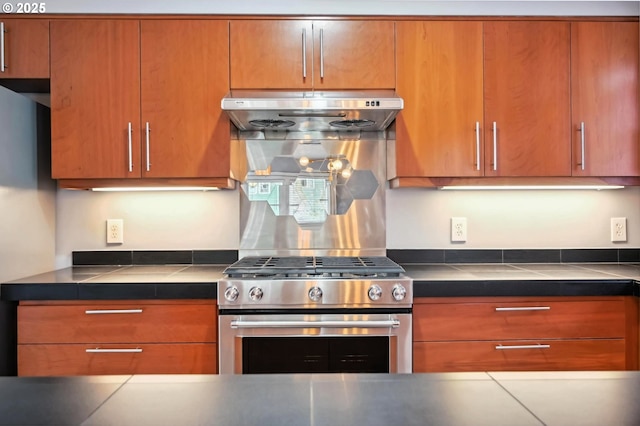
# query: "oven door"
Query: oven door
{"points": [[314, 343]]}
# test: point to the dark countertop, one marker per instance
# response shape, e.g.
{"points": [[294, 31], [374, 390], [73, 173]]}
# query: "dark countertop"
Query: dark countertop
{"points": [[524, 279], [525, 398], [430, 280], [118, 282]]}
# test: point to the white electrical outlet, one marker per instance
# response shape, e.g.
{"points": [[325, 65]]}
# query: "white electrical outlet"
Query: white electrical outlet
{"points": [[115, 231], [458, 229], [618, 229]]}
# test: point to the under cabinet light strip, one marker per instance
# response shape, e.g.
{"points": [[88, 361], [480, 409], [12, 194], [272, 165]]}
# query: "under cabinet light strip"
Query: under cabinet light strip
{"points": [[527, 187], [155, 188]]}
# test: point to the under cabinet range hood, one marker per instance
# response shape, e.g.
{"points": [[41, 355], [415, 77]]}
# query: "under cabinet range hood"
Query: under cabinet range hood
{"points": [[312, 111]]}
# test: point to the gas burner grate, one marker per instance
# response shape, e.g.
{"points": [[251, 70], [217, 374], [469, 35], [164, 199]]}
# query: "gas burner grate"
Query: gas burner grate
{"points": [[310, 266]]}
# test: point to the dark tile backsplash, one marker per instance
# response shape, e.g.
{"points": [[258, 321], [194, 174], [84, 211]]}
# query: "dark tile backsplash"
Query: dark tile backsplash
{"points": [[163, 257], [516, 256], [154, 257], [227, 257], [81, 258], [531, 256], [215, 257]]}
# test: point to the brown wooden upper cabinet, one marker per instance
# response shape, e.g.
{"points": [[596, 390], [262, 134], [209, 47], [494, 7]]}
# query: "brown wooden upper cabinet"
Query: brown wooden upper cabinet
{"points": [[604, 89], [483, 99], [24, 48], [303, 54], [132, 99], [439, 131], [527, 98]]}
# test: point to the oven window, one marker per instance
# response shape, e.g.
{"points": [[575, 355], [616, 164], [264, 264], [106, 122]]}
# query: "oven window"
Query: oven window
{"points": [[263, 355]]}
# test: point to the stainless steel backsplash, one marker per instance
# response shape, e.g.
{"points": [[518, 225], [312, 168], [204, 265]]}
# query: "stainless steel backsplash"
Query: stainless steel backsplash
{"points": [[311, 193]]}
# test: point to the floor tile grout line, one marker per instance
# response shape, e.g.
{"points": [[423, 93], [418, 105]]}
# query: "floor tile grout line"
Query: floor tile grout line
{"points": [[108, 398], [517, 400]]}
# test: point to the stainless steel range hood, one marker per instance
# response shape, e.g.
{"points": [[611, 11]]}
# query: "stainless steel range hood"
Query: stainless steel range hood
{"points": [[312, 111]]}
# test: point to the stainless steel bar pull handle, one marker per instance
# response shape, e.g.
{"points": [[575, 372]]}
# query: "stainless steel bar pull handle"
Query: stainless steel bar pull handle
{"points": [[147, 130], [582, 145], [3, 65], [130, 149], [477, 145], [321, 53], [501, 347], [495, 146], [524, 308], [112, 351], [304, 53], [112, 311], [316, 324]]}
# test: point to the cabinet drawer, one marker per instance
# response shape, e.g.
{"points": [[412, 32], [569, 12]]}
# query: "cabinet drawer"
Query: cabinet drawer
{"points": [[117, 323], [519, 320], [603, 354], [74, 360]]}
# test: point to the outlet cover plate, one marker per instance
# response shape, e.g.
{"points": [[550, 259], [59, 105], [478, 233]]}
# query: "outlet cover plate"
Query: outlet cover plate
{"points": [[458, 229]]}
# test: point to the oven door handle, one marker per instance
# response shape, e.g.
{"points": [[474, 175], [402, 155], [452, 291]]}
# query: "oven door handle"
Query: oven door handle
{"points": [[393, 323]]}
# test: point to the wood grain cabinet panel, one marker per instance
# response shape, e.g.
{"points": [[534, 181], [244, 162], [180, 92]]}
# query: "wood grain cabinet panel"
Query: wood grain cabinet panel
{"points": [[83, 360], [440, 78], [122, 323], [604, 89], [95, 99], [510, 320], [271, 54], [117, 337], [501, 334], [461, 80], [26, 48], [603, 354], [301, 54], [145, 104], [185, 75], [527, 96], [354, 55]]}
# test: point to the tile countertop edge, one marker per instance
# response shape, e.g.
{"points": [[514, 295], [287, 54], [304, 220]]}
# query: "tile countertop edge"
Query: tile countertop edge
{"points": [[526, 288], [50, 286], [108, 291]]}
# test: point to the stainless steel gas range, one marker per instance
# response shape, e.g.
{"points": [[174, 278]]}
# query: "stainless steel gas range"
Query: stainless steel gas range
{"points": [[308, 314], [313, 291]]}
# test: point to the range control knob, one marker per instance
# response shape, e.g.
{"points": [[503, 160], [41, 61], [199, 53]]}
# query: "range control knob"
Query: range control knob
{"points": [[375, 292], [231, 294], [255, 293], [315, 293], [399, 292]]}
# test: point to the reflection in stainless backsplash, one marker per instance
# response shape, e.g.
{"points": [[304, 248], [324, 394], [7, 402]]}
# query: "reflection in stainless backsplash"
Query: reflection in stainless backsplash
{"points": [[304, 195]]}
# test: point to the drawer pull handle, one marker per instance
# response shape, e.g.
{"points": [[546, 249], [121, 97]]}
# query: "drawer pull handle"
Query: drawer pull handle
{"points": [[524, 308], [112, 351], [500, 347], [113, 311]]}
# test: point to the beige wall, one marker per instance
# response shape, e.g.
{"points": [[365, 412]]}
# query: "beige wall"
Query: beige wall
{"points": [[416, 218], [152, 220], [512, 219]]}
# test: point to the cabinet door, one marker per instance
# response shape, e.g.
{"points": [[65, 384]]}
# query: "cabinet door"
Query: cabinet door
{"points": [[95, 99], [604, 78], [440, 79], [519, 355], [25, 44], [185, 74], [99, 359], [271, 54], [527, 96], [354, 55]]}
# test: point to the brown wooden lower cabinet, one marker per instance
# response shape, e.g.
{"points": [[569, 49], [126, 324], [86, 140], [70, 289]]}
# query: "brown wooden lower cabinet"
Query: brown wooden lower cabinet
{"points": [[81, 359], [525, 333], [601, 354], [64, 338]]}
